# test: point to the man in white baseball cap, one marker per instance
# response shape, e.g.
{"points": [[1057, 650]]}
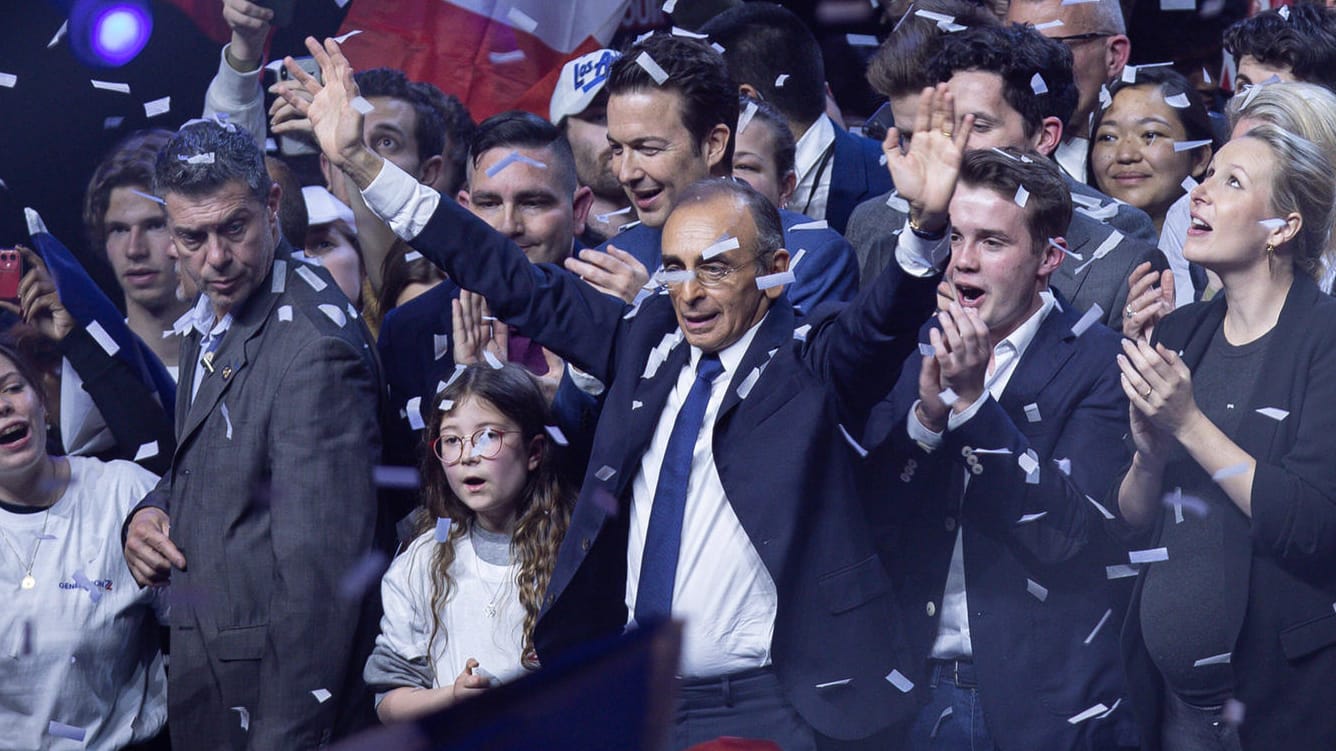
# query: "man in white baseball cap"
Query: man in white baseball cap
{"points": [[579, 107]]}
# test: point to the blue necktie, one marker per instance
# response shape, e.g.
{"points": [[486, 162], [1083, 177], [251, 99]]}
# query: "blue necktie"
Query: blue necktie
{"points": [[663, 539]]}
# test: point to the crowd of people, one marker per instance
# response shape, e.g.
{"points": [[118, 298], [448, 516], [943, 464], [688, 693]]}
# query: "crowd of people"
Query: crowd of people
{"points": [[1004, 429]]}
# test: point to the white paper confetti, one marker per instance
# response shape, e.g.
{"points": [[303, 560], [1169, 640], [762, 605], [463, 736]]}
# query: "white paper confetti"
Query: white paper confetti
{"points": [[1220, 659], [1032, 412], [443, 529], [279, 279], [1039, 591], [652, 68], [334, 314], [605, 473], [818, 224], [719, 248], [1284, 12], [492, 360], [1098, 709], [1178, 101], [898, 680], [227, 419], [1037, 84], [1028, 463], [521, 20], [389, 476], [103, 339], [926, 349], [513, 157], [245, 718], [861, 40], [948, 397], [459, 371], [745, 387], [147, 451], [834, 684], [446, 404], [1055, 23], [1152, 555], [674, 277], [1190, 145], [1273, 224], [1115, 237], [895, 202], [412, 256], [800, 333], [774, 280], [81, 580], [321, 695], [1027, 518], [717, 47], [61, 730], [413, 408], [59, 35], [285, 313], [1120, 571], [1236, 469], [7, 80], [793, 262], [205, 158], [112, 122], [1098, 626], [120, 88], [558, 437], [1275, 413], [779, 82], [505, 58], [345, 37], [1188, 184], [1064, 466], [950, 27], [1129, 74], [1091, 317], [158, 107], [679, 31], [311, 278], [931, 16], [862, 452]]}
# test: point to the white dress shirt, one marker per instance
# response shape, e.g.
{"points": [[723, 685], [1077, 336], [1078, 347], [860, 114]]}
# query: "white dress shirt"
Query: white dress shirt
{"points": [[722, 591], [814, 163], [201, 319], [1071, 156], [953, 630]]}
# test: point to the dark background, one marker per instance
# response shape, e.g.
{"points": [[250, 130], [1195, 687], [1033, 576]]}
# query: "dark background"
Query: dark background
{"points": [[51, 122]]}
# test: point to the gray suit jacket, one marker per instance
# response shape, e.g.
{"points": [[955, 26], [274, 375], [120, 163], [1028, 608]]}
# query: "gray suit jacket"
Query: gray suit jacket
{"points": [[873, 225], [272, 503]]}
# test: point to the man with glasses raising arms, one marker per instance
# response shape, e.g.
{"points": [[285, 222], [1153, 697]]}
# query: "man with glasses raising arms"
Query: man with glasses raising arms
{"points": [[722, 485], [1097, 36]]}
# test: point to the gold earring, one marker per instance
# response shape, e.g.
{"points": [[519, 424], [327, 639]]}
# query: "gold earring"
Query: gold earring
{"points": [[1270, 250]]}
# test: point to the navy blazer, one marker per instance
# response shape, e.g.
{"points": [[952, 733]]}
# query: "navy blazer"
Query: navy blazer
{"points": [[1285, 655], [828, 271], [788, 472], [857, 174], [1035, 552]]}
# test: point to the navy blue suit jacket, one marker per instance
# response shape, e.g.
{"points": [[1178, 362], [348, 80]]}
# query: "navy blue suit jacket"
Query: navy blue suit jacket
{"points": [[788, 473], [828, 271], [1035, 669], [857, 174]]}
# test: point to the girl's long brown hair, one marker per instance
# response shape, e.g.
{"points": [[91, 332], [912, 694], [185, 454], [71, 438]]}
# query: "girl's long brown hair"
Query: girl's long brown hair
{"points": [[543, 510]]}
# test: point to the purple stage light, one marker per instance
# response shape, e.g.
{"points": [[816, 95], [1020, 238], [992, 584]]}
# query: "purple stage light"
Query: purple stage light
{"points": [[110, 33]]}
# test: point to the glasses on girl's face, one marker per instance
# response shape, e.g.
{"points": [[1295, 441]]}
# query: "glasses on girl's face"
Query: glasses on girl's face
{"points": [[486, 443]]}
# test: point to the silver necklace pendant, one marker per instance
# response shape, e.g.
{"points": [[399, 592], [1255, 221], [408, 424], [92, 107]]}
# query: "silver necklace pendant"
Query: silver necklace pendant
{"points": [[489, 610], [28, 582]]}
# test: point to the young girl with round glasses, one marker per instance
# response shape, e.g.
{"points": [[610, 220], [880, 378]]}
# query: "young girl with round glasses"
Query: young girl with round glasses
{"points": [[462, 600]]}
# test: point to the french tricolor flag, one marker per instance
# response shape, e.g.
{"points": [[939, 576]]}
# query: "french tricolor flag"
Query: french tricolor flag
{"points": [[493, 55]]}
